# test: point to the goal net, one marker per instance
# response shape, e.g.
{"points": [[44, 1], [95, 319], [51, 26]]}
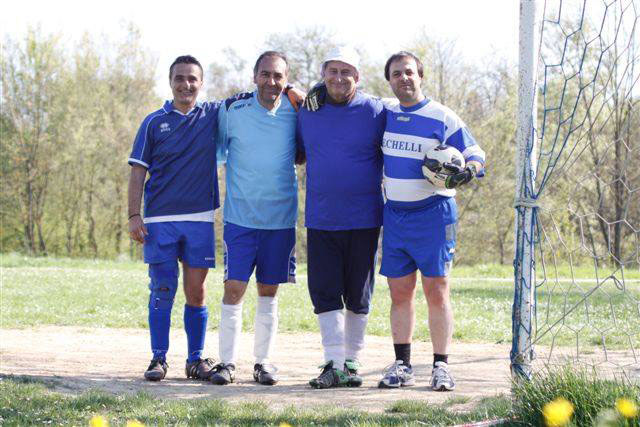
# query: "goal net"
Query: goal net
{"points": [[577, 273]]}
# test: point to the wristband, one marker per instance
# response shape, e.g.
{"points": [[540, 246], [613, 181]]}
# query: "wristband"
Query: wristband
{"points": [[134, 215]]}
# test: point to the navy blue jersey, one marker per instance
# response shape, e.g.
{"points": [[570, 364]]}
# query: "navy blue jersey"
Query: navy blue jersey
{"points": [[344, 163], [179, 152]]}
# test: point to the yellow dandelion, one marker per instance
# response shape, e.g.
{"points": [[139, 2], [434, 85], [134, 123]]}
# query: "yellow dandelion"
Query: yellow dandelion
{"points": [[557, 412], [98, 421], [626, 407], [283, 424]]}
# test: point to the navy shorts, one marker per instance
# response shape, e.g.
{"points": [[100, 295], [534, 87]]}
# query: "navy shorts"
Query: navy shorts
{"points": [[270, 252], [421, 239], [341, 268], [189, 241]]}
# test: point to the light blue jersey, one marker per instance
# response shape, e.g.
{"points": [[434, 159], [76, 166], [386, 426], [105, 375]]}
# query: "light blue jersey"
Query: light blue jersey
{"points": [[259, 146]]}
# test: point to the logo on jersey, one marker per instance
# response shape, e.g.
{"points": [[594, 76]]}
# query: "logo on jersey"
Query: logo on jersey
{"points": [[403, 118], [164, 127]]}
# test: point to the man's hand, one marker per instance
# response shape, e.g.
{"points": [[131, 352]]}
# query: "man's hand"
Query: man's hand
{"points": [[137, 230], [296, 97], [316, 97], [460, 175]]}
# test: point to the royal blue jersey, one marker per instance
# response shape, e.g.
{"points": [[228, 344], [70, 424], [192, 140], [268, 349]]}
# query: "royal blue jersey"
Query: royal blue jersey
{"points": [[259, 146], [344, 163], [410, 132], [179, 152]]}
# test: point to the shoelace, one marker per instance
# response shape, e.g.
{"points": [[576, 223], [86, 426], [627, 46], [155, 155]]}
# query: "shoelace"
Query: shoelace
{"points": [[441, 373], [393, 367]]}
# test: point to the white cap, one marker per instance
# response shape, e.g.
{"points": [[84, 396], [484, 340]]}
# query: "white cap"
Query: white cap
{"points": [[345, 54]]}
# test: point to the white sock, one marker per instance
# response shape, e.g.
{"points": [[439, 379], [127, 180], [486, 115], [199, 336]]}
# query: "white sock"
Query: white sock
{"points": [[354, 330], [229, 333], [266, 328], [332, 331]]}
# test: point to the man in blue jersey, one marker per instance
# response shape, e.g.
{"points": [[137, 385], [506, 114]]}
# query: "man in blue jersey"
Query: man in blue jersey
{"points": [[175, 146], [419, 218], [257, 137], [343, 213]]}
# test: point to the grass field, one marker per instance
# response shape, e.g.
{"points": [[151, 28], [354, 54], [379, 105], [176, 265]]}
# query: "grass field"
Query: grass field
{"points": [[48, 291]]}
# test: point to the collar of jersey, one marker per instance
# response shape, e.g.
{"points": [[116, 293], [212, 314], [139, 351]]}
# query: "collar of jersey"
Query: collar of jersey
{"points": [[168, 107], [416, 107], [261, 107]]}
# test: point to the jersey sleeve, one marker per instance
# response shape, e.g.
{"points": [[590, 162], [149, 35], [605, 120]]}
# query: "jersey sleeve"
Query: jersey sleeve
{"points": [[458, 136], [141, 151], [222, 144], [299, 139]]}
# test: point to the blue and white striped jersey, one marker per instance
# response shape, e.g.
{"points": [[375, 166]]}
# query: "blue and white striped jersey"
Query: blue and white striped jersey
{"points": [[409, 133]]}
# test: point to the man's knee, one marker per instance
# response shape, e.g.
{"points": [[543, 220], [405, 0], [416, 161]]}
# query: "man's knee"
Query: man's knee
{"points": [[233, 292], [436, 290], [163, 286], [402, 290], [267, 290]]}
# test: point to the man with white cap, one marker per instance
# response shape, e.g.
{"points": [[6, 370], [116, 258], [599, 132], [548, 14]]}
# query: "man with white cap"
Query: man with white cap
{"points": [[343, 213]]}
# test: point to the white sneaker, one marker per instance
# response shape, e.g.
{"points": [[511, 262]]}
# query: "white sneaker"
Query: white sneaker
{"points": [[441, 379], [396, 375]]}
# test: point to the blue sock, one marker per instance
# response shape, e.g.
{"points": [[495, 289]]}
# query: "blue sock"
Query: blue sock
{"points": [[159, 324], [164, 282], [195, 325]]}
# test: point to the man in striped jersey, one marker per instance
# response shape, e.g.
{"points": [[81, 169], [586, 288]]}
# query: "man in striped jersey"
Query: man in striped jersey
{"points": [[420, 219]]}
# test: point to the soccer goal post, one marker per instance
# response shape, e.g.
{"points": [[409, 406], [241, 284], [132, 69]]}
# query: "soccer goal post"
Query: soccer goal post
{"points": [[577, 195]]}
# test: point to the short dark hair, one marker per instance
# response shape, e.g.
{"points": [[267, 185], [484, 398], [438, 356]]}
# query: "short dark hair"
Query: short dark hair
{"points": [[271, 53], [403, 54], [185, 59]]}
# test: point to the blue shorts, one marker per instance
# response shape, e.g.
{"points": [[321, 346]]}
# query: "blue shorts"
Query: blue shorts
{"points": [[421, 239], [189, 241], [270, 252]]}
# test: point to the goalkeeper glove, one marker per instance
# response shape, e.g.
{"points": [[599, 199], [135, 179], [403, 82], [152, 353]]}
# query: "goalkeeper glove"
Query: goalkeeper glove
{"points": [[316, 97], [460, 175]]}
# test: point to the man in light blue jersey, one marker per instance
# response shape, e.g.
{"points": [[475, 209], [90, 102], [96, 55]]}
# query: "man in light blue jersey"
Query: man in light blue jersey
{"points": [[257, 137], [420, 219], [343, 213], [175, 146]]}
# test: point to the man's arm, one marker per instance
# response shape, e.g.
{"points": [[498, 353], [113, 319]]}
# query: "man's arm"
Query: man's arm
{"points": [[137, 230]]}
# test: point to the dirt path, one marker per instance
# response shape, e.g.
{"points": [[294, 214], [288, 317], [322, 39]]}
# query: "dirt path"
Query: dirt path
{"points": [[76, 359]]}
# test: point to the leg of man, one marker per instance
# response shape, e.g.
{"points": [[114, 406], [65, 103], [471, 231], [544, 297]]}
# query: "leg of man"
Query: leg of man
{"points": [[266, 322], [326, 283], [359, 283], [403, 316], [196, 314], [196, 249], [163, 286], [436, 290], [265, 330], [275, 264], [231, 319]]}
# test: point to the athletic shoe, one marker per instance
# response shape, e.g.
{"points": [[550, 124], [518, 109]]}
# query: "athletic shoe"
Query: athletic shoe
{"points": [[200, 369], [223, 374], [441, 379], [397, 375], [157, 370], [265, 374], [351, 367], [330, 377]]}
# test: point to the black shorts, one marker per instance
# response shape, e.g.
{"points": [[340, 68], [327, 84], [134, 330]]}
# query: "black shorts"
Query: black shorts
{"points": [[341, 268]]}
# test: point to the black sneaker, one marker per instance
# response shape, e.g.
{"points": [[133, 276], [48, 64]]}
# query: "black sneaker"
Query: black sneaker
{"points": [[200, 369], [223, 374], [330, 377], [157, 370], [265, 374]]}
